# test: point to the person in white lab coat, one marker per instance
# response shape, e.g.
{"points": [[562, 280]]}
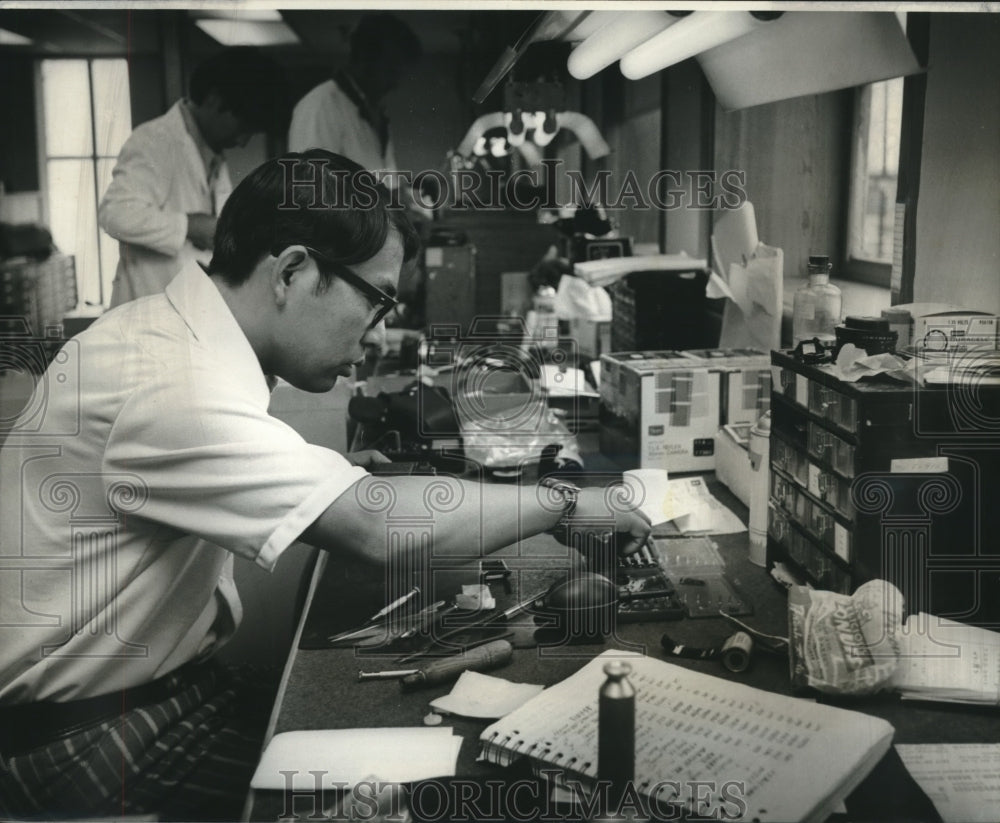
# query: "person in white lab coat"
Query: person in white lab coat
{"points": [[345, 114], [171, 181]]}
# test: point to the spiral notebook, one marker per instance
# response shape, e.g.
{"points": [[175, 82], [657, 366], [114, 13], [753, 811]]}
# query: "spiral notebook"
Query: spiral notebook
{"points": [[770, 757]]}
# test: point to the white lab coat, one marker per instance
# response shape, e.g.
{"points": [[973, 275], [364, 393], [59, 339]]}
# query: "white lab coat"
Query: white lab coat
{"points": [[326, 118], [159, 179]]}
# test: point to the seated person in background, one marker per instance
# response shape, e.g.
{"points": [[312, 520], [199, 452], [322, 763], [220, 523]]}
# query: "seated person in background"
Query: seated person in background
{"points": [[124, 531], [171, 179]]}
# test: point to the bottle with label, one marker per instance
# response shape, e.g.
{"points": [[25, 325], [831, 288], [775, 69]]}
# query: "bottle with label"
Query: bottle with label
{"points": [[816, 309]]}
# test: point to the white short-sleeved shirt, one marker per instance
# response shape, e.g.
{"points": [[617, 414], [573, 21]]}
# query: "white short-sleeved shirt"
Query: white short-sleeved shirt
{"points": [[146, 460]]}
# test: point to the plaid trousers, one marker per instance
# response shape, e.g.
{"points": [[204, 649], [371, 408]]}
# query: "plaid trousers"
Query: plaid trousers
{"points": [[189, 757]]}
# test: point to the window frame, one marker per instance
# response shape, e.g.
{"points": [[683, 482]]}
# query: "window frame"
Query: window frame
{"points": [[855, 268], [93, 159]]}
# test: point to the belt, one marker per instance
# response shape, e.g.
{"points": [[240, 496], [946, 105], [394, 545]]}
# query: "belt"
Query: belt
{"points": [[28, 726]]}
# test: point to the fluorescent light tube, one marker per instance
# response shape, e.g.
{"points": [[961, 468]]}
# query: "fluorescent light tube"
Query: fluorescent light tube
{"points": [[623, 32], [235, 32], [689, 36]]}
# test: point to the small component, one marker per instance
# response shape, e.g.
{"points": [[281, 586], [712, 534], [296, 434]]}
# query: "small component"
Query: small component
{"points": [[495, 571], [433, 719]]}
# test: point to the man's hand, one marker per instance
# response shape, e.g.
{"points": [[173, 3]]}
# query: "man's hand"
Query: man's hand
{"points": [[367, 458], [201, 230], [631, 526]]}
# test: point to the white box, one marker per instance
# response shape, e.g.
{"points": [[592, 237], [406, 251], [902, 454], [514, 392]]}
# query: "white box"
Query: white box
{"points": [[732, 459], [745, 381], [659, 410]]}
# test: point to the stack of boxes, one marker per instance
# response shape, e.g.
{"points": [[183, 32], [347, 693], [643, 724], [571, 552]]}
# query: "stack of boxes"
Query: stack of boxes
{"points": [[662, 409]]}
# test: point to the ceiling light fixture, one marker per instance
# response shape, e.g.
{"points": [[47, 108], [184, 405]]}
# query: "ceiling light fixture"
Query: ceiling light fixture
{"points": [[619, 35], [689, 36]]}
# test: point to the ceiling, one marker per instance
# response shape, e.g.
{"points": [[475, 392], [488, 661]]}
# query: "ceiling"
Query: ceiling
{"points": [[323, 32]]}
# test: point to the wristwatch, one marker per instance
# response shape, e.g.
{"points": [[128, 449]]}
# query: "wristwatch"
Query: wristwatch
{"points": [[570, 493]]}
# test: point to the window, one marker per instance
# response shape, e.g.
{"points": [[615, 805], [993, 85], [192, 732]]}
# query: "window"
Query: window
{"points": [[874, 169], [85, 119]]}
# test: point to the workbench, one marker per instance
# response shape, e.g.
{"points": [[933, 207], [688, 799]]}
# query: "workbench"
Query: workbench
{"points": [[320, 689]]}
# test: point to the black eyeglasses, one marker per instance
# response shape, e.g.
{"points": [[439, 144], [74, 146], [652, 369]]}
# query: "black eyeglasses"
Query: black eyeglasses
{"points": [[385, 302]]}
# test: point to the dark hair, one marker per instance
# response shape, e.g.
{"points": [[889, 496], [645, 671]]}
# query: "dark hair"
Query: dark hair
{"points": [[316, 198], [384, 33], [249, 83]]}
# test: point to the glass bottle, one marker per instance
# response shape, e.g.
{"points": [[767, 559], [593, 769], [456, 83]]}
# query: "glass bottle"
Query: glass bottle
{"points": [[816, 308]]}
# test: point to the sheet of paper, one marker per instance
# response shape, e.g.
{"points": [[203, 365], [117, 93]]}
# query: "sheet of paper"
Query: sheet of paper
{"points": [[944, 660], [565, 382], [961, 779], [482, 696], [703, 513], [340, 758]]}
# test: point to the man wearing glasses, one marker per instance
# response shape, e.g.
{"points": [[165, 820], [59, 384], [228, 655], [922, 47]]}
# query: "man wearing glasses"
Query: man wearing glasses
{"points": [[125, 506]]}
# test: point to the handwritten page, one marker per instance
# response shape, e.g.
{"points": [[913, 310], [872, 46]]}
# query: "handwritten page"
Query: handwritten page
{"points": [[943, 660], [339, 758], [795, 759], [485, 697], [962, 780]]}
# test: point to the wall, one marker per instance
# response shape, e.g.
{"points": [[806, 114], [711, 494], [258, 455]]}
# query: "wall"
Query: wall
{"points": [[18, 146], [958, 209], [796, 156]]}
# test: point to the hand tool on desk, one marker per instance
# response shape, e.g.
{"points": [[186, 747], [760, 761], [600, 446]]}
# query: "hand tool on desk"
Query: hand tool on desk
{"points": [[372, 622], [425, 618], [491, 655], [486, 623]]}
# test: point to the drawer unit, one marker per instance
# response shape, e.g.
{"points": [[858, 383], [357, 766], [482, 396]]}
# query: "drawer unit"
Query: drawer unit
{"points": [[880, 478]]}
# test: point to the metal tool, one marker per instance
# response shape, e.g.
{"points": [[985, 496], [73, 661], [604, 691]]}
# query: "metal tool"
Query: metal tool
{"points": [[481, 658], [478, 625], [372, 622]]}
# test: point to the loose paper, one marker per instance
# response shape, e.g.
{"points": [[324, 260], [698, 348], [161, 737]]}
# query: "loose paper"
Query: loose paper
{"points": [[489, 698], [341, 758], [962, 780]]}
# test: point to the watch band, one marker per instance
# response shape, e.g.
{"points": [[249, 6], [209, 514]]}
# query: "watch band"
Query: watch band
{"points": [[570, 493]]}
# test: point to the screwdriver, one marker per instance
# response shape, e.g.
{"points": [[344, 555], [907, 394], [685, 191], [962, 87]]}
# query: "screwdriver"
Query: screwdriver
{"points": [[491, 655]]}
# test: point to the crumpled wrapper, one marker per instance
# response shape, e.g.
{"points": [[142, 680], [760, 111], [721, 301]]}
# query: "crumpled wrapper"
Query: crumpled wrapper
{"points": [[845, 644]]}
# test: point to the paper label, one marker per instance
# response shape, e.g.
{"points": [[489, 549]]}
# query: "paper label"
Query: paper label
{"points": [[434, 256], [802, 390], [841, 542], [919, 465], [813, 482]]}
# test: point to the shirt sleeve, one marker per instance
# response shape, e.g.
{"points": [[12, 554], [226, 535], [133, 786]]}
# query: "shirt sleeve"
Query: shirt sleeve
{"points": [[131, 209], [211, 462]]}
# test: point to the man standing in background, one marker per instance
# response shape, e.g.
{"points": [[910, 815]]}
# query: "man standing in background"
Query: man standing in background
{"points": [[345, 114], [171, 181]]}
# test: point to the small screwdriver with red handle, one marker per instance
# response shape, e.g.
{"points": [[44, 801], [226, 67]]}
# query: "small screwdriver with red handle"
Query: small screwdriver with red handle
{"points": [[490, 655]]}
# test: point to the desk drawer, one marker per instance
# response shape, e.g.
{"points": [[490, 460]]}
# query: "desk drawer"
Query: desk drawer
{"points": [[818, 564], [831, 405], [826, 446]]}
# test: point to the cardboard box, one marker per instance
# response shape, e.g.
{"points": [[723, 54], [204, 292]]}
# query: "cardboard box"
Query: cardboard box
{"points": [[659, 410], [745, 381]]}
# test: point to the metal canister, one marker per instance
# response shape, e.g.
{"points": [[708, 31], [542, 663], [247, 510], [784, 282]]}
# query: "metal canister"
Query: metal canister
{"points": [[616, 732], [760, 455]]}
